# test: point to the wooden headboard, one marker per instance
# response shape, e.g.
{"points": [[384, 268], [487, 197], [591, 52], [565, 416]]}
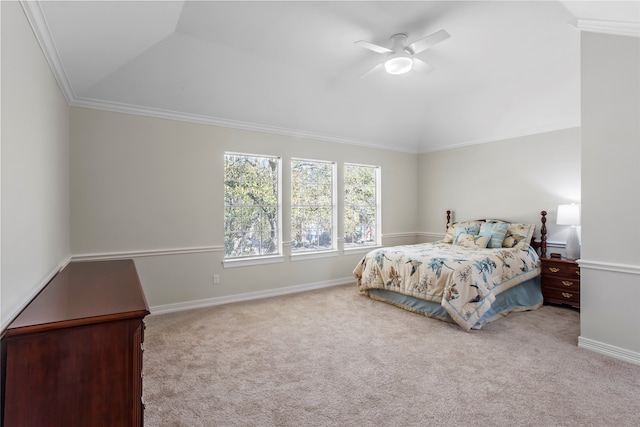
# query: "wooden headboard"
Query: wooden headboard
{"points": [[540, 246]]}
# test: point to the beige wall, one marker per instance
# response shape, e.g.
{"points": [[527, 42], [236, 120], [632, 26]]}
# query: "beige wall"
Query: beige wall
{"points": [[34, 166], [512, 179], [144, 184], [610, 265]]}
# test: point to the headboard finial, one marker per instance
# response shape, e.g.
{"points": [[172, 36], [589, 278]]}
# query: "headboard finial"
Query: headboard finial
{"points": [[543, 234]]}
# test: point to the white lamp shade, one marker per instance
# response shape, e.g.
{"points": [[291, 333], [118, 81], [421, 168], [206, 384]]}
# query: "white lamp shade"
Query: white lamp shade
{"points": [[398, 64], [569, 214]]}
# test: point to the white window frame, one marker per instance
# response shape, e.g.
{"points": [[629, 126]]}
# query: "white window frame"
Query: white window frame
{"points": [[240, 261], [349, 247], [317, 252]]}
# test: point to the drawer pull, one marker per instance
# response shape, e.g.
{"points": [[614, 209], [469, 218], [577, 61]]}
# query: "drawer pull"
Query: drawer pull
{"points": [[554, 269], [567, 283], [578, 272], [567, 295]]}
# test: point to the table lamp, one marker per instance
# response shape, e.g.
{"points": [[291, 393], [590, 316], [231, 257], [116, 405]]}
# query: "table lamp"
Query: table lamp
{"points": [[570, 215]]}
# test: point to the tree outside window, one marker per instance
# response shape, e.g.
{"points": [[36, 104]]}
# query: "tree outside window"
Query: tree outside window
{"points": [[361, 206], [312, 205], [252, 205]]}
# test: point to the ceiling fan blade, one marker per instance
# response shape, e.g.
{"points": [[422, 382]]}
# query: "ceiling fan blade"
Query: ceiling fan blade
{"points": [[372, 70], [373, 47], [426, 42], [421, 66]]}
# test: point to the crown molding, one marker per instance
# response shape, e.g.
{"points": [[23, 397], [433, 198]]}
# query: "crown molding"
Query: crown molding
{"points": [[226, 123], [549, 127], [616, 28], [35, 16]]}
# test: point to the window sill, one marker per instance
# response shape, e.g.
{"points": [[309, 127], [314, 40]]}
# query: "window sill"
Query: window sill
{"points": [[313, 255], [244, 262]]}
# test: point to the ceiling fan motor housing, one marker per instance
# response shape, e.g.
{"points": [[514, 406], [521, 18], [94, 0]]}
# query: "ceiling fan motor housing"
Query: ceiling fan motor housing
{"points": [[399, 42], [400, 60]]}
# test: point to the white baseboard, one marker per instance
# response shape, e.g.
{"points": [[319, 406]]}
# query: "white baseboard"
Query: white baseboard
{"points": [[209, 302], [609, 350]]}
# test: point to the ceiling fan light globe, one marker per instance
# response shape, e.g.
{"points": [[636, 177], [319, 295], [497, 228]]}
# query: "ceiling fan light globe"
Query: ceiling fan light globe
{"points": [[398, 65]]}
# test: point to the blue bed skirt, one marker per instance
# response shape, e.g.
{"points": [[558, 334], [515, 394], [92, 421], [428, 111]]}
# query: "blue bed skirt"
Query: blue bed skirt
{"points": [[523, 297]]}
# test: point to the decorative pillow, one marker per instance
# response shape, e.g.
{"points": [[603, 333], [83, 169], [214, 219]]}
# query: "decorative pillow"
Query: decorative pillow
{"points": [[497, 231], [468, 229], [451, 229], [519, 236], [472, 241]]}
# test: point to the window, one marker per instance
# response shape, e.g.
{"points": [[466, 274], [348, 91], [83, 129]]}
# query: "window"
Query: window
{"points": [[361, 206], [312, 205], [252, 214]]}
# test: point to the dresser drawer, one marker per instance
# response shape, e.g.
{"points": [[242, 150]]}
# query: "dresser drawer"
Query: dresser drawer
{"points": [[561, 270]]}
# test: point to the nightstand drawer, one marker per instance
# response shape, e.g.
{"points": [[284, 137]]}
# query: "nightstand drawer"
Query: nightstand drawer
{"points": [[560, 269], [559, 296], [562, 284]]}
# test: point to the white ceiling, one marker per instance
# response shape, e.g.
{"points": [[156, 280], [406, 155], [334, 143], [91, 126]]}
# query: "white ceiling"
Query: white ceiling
{"points": [[509, 68]]}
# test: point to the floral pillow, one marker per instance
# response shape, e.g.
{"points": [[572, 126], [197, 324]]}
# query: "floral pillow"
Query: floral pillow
{"points": [[451, 229], [496, 230], [468, 229], [519, 236], [472, 241]]}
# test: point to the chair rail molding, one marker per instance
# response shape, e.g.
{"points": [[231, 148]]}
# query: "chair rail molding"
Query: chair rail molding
{"points": [[609, 266], [144, 253]]}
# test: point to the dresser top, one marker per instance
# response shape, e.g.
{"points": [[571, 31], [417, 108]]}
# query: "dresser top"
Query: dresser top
{"points": [[85, 292]]}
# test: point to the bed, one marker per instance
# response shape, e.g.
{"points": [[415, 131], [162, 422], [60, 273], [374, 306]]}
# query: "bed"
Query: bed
{"points": [[481, 271]]}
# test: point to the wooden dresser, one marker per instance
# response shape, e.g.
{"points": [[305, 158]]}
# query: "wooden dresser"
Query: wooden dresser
{"points": [[561, 281], [73, 357]]}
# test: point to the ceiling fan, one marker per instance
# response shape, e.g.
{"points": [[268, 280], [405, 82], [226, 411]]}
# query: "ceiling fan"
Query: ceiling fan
{"points": [[400, 58]]}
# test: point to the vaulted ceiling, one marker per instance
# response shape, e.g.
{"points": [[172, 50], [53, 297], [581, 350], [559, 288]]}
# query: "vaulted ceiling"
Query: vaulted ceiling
{"points": [[509, 68]]}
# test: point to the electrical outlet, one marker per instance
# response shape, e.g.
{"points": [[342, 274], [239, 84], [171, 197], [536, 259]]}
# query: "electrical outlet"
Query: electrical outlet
{"points": [[216, 279]]}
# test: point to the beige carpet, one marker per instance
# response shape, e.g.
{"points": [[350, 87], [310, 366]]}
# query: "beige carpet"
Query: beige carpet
{"points": [[335, 358]]}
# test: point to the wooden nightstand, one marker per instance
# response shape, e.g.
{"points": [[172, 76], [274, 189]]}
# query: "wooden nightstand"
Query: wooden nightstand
{"points": [[561, 281]]}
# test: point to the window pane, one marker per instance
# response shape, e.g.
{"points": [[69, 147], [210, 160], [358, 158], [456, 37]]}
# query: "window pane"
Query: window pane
{"points": [[251, 205], [361, 211], [312, 205]]}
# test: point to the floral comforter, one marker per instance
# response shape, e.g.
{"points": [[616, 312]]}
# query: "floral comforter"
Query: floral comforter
{"points": [[464, 281]]}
